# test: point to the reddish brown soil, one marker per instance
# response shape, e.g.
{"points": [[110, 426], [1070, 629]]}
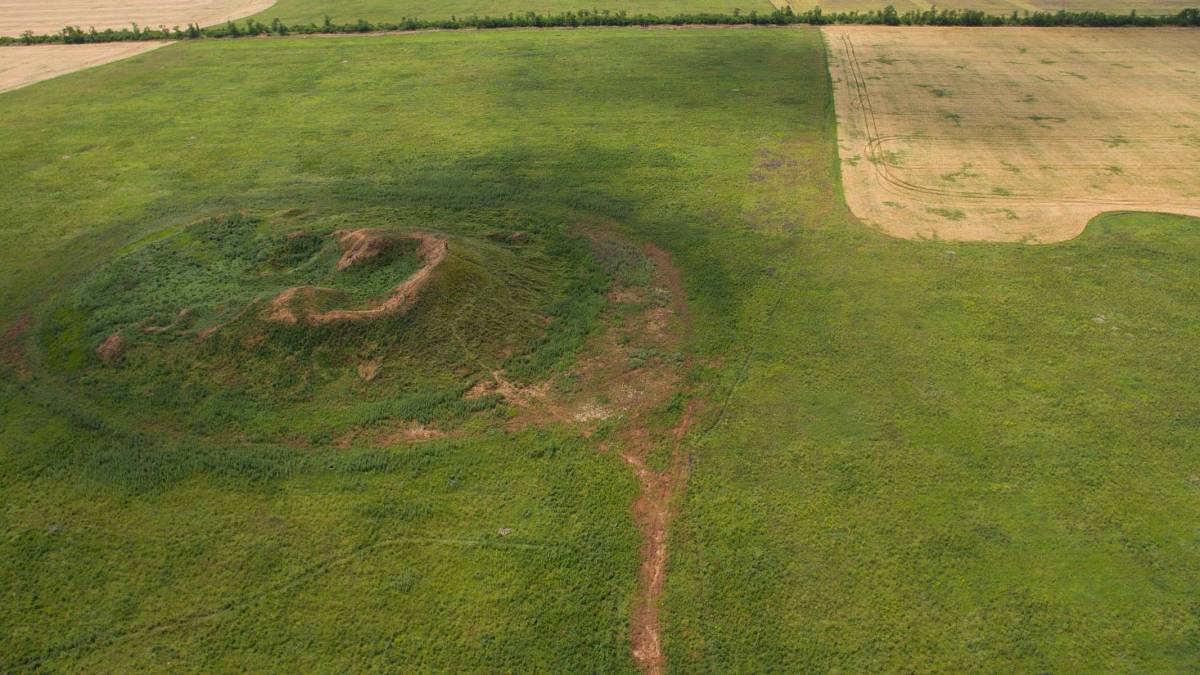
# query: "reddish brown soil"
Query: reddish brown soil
{"points": [[361, 244], [607, 387], [653, 511], [112, 348], [655, 507], [10, 346], [295, 304]]}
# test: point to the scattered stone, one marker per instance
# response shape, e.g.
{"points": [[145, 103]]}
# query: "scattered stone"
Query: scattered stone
{"points": [[591, 411]]}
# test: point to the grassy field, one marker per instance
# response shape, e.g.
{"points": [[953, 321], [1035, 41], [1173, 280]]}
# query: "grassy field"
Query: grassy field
{"points": [[911, 456], [954, 457], [191, 504], [314, 11]]}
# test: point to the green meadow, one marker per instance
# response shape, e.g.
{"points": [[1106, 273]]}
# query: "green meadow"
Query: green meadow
{"points": [[911, 455]]}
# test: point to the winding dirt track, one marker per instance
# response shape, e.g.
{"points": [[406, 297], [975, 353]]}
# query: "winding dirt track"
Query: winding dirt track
{"points": [[1015, 134], [431, 249], [657, 504], [655, 318]]}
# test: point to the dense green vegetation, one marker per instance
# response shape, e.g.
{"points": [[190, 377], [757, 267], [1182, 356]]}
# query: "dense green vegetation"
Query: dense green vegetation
{"points": [[314, 11], [955, 457], [888, 15], [915, 455], [194, 307]]}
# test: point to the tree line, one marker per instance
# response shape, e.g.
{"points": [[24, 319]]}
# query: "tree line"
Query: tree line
{"points": [[888, 16]]}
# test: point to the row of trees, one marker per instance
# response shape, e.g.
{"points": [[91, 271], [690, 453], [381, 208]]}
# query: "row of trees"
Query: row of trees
{"points": [[888, 16]]}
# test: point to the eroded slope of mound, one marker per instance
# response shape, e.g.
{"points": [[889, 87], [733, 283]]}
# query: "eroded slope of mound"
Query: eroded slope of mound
{"points": [[361, 247]]}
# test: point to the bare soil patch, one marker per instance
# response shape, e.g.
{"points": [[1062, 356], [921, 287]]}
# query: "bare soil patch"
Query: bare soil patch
{"points": [[11, 351], [112, 348], [359, 245], [625, 376], [22, 66], [1015, 134], [48, 16]]}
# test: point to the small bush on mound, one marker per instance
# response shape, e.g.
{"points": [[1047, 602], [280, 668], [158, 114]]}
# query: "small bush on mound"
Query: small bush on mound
{"points": [[242, 321]]}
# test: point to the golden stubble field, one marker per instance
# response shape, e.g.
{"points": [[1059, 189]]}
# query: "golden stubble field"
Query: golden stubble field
{"points": [[48, 16], [20, 66], [1015, 134], [993, 6]]}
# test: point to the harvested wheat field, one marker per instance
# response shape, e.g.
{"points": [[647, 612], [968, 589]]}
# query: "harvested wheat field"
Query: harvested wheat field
{"points": [[17, 16], [21, 66], [1015, 134], [1150, 7]]}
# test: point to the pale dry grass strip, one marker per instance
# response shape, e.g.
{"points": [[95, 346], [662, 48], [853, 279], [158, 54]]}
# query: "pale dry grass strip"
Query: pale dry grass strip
{"points": [[23, 66], [49, 16]]}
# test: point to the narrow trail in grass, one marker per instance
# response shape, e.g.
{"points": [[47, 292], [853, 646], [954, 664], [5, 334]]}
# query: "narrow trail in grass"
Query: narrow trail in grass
{"points": [[654, 510], [633, 371], [358, 245], [655, 506]]}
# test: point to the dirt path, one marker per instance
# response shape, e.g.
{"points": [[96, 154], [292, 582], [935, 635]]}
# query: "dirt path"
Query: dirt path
{"points": [[614, 381], [295, 303], [653, 511], [10, 347], [23, 66], [657, 504]]}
